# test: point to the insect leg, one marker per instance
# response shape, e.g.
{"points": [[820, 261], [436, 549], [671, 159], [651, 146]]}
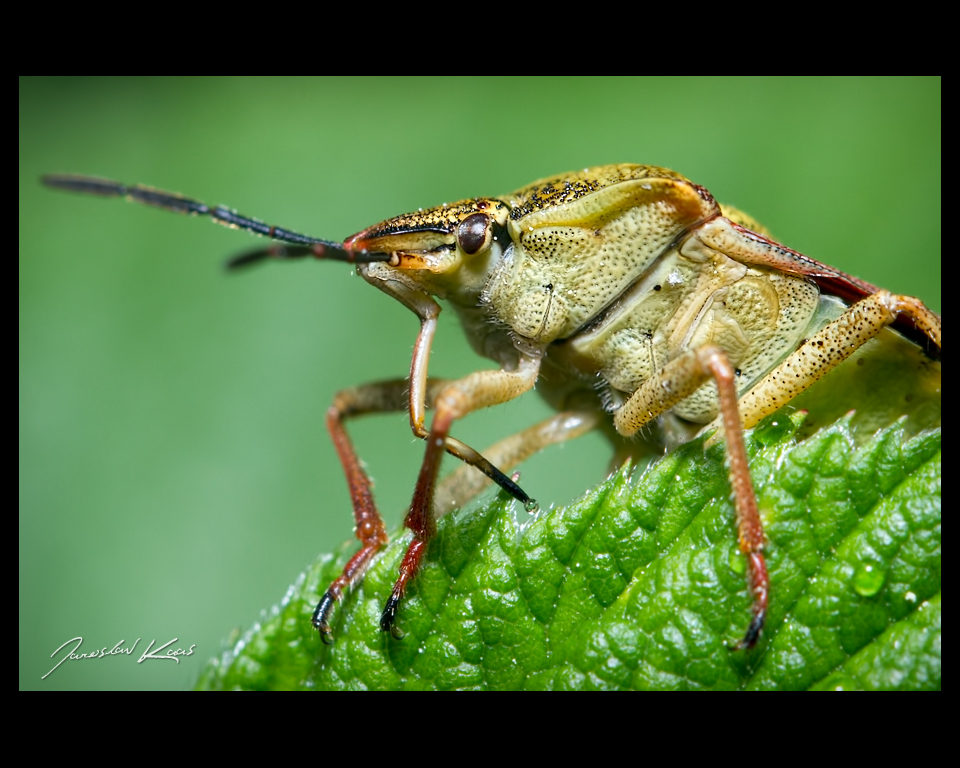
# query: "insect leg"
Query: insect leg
{"points": [[676, 381], [383, 397], [463, 484], [456, 400], [830, 346], [379, 397], [423, 391]]}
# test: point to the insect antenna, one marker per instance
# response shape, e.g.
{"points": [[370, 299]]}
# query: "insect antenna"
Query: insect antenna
{"points": [[303, 245]]}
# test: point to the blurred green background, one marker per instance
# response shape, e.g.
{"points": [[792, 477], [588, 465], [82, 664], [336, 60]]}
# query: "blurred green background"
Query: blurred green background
{"points": [[175, 473]]}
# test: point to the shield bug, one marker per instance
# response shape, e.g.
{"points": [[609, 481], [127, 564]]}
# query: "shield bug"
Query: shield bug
{"points": [[627, 295]]}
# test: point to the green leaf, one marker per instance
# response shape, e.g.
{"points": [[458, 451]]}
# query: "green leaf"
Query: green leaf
{"points": [[640, 585]]}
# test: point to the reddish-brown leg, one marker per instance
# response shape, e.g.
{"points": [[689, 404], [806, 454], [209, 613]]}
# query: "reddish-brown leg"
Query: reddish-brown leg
{"points": [[749, 525], [369, 525], [478, 390], [419, 519], [382, 397], [676, 381]]}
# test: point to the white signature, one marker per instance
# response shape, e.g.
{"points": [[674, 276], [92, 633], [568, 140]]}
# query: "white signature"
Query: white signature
{"points": [[172, 654]]}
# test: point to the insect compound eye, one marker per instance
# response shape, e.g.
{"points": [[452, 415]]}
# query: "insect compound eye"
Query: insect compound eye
{"points": [[474, 233]]}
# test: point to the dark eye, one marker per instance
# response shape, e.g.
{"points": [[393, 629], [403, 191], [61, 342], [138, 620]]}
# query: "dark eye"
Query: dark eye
{"points": [[474, 233]]}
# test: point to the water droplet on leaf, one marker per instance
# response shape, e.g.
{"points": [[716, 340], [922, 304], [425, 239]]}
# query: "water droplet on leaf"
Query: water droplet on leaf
{"points": [[868, 579], [738, 563]]}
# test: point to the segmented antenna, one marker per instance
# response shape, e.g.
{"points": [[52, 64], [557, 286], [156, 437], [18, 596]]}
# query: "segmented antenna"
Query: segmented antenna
{"points": [[303, 245]]}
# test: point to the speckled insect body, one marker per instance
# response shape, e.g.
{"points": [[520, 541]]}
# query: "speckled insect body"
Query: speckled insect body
{"points": [[626, 294]]}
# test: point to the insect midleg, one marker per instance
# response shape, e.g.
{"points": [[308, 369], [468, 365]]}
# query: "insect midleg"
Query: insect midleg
{"points": [[478, 390], [676, 381], [829, 347]]}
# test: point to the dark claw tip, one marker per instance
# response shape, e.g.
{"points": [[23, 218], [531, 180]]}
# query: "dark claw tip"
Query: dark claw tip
{"points": [[321, 614], [752, 635], [389, 616]]}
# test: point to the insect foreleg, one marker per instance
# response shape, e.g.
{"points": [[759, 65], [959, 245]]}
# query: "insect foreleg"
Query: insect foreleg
{"points": [[379, 397], [372, 398], [423, 391], [463, 484], [459, 398]]}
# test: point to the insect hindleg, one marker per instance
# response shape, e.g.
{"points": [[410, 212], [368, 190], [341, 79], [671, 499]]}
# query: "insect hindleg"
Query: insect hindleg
{"points": [[676, 381], [829, 347]]}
